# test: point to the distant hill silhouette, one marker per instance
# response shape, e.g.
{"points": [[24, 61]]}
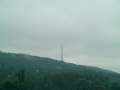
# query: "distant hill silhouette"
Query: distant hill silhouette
{"points": [[12, 62], [24, 60]]}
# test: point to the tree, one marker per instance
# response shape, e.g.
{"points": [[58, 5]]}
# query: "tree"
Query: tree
{"points": [[2, 67], [7, 85], [82, 84], [21, 76], [100, 87], [115, 86]]}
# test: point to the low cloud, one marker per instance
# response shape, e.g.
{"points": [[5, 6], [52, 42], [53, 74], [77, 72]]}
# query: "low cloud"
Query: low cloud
{"points": [[88, 30]]}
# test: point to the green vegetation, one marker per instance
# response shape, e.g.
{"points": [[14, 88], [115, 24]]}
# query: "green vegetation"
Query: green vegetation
{"points": [[25, 72], [57, 81], [15, 62]]}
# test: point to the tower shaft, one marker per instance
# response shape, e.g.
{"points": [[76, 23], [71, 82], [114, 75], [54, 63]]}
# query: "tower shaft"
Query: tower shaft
{"points": [[61, 53]]}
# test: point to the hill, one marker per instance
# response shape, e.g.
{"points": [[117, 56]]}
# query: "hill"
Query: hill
{"points": [[11, 63], [23, 61]]}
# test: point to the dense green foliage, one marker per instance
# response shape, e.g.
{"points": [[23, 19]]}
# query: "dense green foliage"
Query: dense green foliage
{"points": [[14, 62], [10, 63], [25, 72], [57, 81]]}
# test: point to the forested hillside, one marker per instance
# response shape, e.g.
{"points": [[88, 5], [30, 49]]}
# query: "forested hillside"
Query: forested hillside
{"points": [[15, 62], [26, 72]]}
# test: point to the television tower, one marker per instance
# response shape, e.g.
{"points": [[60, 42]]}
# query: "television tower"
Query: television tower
{"points": [[61, 53]]}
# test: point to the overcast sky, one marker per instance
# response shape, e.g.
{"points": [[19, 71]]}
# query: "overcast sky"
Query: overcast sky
{"points": [[89, 30]]}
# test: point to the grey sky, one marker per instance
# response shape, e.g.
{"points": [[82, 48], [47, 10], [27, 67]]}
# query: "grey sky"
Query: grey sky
{"points": [[88, 29]]}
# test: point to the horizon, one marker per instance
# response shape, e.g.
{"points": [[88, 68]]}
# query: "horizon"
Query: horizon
{"points": [[62, 60]]}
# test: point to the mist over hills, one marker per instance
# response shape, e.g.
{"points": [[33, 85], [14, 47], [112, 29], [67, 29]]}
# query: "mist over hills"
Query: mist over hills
{"points": [[11, 63], [24, 61]]}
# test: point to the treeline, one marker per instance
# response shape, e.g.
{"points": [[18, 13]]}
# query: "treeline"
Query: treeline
{"points": [[10, 63], [48, 74], [56, 81], [6, 69], [14, 62]]}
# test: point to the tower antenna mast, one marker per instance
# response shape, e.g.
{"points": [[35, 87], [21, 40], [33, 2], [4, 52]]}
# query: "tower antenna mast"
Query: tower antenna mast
{"points": [[61, 53]]}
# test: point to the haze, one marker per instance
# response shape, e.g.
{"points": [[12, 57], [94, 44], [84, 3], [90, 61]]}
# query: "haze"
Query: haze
{"points": [[88, 30]]}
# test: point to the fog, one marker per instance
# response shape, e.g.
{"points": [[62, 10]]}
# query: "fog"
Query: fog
{"points": [[88, 30]]}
